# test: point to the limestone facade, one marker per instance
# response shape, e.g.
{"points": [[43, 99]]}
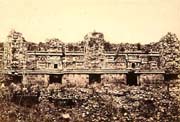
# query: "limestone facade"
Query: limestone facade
{"points": [[92, 63]]}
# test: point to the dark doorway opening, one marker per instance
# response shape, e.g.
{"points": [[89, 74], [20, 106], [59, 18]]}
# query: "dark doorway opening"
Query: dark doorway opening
{"points": [[131, 78], [16, 78], [55, 78], [94, 78], [13, 79], [168, 77]]}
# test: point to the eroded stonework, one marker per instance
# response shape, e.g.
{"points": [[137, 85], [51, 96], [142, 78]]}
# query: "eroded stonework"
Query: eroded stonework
{"points": [[79, 64]]}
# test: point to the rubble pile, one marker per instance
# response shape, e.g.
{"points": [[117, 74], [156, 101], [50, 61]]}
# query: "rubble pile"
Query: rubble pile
{"points": [[68, 97], [54, 45], [31, 46], [74, 93], [131, 104], [75, 47], [175, 89], [148, 104], [97, 103]]}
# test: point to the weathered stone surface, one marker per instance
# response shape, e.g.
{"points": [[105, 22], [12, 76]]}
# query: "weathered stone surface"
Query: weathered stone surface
{"points": [[151, 78], [75, 79]]}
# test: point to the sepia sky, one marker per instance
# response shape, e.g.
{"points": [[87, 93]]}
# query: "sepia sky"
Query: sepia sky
{"points": [[69, 20]]}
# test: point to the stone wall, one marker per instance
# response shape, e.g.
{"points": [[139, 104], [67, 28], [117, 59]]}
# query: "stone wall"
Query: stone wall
{"points": [[38, 79], [114, 78], [150, 78], [75, 79]]}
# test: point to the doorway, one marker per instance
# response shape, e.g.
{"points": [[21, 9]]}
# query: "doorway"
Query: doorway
{"points": [[94, 78], [168, 77], [55, 78], [131, 78], [16, 78]]}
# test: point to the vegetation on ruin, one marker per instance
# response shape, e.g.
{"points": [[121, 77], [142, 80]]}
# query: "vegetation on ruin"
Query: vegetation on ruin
{"points": [[98, 102]]}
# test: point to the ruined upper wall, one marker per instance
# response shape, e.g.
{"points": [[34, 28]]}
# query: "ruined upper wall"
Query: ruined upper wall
{"points": [[94, 50], [15, 51], [91, 53], [108, 47]]}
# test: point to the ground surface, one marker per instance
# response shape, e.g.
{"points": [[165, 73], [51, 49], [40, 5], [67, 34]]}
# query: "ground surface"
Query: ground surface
{"points": [[98, 103]]}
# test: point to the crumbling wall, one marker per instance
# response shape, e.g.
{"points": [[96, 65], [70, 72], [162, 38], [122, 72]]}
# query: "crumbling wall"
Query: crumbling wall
{"points": [[150, 78], [31, 62], [75, 79], [15, 51], [75, 47], [53, 45], [94, 51], [174, 88], [74, 62], [41, 79], [114, 78], [53, 56], [169, 48], [115, 62]]}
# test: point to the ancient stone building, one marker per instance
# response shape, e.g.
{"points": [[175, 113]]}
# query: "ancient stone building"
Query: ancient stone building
{"points": [[54, 63]]}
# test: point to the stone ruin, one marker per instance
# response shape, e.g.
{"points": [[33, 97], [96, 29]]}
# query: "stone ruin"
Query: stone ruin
{"points": [[80, 64], [94, 77]]}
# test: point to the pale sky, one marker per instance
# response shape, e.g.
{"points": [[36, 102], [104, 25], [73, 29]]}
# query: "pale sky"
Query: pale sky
{"points": [[69, 20]]}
